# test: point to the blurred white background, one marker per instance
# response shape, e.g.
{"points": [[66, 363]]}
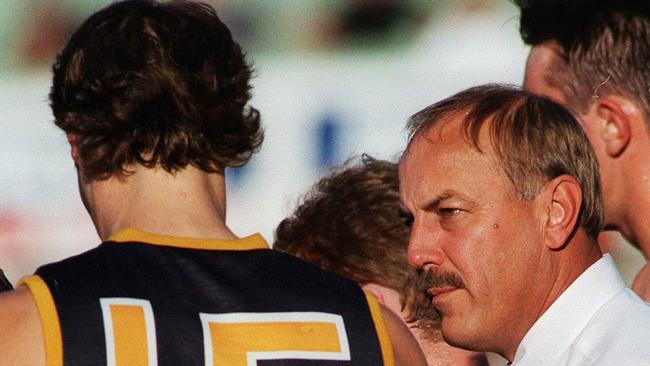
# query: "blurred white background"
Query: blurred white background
{"points": [[334, 79]]}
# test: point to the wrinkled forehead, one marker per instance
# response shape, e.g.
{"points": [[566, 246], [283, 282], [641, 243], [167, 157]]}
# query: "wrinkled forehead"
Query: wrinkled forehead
{"points": [[446, 148], [451, 130], [447, 169]]}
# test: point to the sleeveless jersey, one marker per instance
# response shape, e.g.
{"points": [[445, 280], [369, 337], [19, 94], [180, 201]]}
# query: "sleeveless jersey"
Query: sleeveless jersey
{"points": [[143, 299]]}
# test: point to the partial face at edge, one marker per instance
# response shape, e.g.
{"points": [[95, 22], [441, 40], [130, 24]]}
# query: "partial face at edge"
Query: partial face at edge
{"points": [[470, 224], [543, 60]]}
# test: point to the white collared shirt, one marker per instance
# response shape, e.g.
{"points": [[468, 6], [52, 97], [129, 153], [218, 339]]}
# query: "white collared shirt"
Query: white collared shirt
{"points": [[596, 321]]}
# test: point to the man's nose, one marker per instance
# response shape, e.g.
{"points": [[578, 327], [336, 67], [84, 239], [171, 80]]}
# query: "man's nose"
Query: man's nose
{"points": [[424, 249]]}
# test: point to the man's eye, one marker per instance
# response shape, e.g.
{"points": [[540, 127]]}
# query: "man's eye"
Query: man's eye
{"points": [[449, 211]]}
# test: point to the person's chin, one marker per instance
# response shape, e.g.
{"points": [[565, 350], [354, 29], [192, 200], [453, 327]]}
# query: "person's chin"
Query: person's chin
{"points": [[455, 332]]}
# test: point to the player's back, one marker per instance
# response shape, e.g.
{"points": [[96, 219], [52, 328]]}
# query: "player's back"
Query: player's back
{"points": [[176, 301]]}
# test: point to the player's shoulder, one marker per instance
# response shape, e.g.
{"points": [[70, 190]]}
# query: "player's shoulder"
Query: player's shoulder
{"points": [[20, 329]]}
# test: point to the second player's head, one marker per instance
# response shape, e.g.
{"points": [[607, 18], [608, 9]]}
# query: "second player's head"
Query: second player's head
{"points": [[350, 224], [590, 49], [593, 56]]}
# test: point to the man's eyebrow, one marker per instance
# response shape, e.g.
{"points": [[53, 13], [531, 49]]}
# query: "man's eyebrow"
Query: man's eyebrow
{"points": [[433, 203]]}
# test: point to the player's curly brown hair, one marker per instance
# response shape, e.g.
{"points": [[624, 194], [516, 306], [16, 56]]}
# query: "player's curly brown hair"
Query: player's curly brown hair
{"points": [[157, 84], [352, 223]]}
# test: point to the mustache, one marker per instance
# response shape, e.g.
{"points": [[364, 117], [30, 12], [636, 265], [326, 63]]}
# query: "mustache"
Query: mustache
{"points": [[438, 278]]}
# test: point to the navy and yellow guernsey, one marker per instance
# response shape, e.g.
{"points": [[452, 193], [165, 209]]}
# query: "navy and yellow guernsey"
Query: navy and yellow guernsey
{"points": [[143, 299]]}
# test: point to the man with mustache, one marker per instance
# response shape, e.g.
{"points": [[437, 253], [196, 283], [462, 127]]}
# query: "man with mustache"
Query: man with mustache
{"points": [[504, 190], [435, 278], [592, 56], [351, 223]]}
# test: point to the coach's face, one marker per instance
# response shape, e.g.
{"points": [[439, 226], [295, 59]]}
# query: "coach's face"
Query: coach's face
{"points": [[475, 238]]}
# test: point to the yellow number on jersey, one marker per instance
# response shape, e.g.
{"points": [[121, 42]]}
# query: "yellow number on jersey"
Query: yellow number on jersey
{"points": [[130, 332], [231, 339], [241, 339]]}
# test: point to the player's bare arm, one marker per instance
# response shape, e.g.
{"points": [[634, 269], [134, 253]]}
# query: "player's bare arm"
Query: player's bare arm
{"points": [[21, 336]]}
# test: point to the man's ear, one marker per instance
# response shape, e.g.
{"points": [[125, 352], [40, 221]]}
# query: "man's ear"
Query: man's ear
{"points": [[563, 198], [615, 122], [73, 140]]}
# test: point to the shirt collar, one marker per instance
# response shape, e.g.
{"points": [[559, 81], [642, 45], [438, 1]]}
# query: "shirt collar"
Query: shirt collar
{"points": [[255, 241], [555, 331]]}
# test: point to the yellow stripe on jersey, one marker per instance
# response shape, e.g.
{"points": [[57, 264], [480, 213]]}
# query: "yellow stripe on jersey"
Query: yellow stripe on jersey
{"points": [[129, 331], [129, 335], [240, 339], [49, 319], [255, 241], [382, 332]]}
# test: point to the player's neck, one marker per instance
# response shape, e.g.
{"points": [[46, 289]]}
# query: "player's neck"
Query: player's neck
{"points": [[632, 214], [188, 203], [639, 232]]}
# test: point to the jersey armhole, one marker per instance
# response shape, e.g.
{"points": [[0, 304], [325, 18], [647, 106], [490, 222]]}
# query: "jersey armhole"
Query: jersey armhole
{"points": [[382, 333], [49, 319]]}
